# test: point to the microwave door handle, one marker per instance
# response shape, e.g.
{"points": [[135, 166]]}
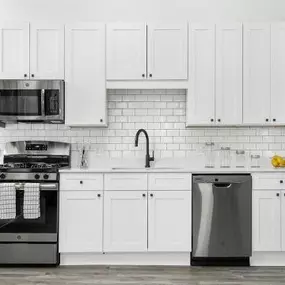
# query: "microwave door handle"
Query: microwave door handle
{"points": [[43, 102]]}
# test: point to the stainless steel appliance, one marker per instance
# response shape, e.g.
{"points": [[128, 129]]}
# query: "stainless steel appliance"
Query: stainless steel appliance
{"points": [[32, 101], [33, 241], [221, 219]]}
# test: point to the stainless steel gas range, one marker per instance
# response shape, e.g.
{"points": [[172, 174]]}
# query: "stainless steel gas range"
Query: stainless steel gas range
{"points": [[29, 201]]}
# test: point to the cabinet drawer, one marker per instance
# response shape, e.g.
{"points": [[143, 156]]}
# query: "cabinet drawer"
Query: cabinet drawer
{"points": [[126, 181], [81, 181], [169, 181], [268, 181]]}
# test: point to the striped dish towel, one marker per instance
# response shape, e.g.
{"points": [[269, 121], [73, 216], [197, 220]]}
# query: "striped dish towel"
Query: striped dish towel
{"points": [[7, 201], [31, 208]]}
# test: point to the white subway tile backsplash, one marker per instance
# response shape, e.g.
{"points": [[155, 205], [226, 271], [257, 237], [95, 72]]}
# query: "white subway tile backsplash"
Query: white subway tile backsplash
{"points": [[162, 113]]}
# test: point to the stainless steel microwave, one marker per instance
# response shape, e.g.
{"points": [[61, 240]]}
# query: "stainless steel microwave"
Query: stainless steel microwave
{"points": [[32, 101]]}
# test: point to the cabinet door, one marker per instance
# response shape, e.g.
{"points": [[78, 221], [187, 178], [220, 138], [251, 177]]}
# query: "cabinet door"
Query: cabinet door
{"points": [[80, 221], [169, 221], [266, 221], [283, 220], [125, 221], [14, 50], [167, 51], [256, 99], [126, 51], [229, 74], [46, 51], [85, 75], [278, 73], [201, 96]]}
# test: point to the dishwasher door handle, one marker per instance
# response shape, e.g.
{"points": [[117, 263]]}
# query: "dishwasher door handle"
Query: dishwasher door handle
{"points": [[223, 185]]}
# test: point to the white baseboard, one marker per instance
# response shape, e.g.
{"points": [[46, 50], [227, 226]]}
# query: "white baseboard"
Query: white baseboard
{"points": [[167, 259], [267, 259]]}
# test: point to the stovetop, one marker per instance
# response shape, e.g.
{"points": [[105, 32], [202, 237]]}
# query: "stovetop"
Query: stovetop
{"points": [[29, 167]]}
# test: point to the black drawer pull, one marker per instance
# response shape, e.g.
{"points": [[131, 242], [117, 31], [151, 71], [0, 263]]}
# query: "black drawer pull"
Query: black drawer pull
{"points": [[81, 182]]}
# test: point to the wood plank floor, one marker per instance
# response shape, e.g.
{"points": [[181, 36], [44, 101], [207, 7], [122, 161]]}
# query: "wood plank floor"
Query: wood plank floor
{"points": [[142, 276]]}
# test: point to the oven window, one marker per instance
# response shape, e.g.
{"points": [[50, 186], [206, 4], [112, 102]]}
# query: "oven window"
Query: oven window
{"points": [[51, 102], [47, 223], [20, 103]]}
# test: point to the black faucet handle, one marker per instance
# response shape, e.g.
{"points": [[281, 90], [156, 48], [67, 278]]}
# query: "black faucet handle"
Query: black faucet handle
{"points": [[152, 157]]}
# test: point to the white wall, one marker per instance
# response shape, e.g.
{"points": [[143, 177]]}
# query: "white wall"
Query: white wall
{"points": [[143, 10]]}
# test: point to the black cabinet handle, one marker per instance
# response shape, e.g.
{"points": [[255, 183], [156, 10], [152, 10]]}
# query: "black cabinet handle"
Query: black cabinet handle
{"points": [[212, 120], [25, 75], [101, 120], [143, 75], [151, 195], [98, 195], [150, 75], [281, 181], [267, 120], [277, 194], [274, 120], [143, 195], [81, 182], [33, 75], [219, 120]]}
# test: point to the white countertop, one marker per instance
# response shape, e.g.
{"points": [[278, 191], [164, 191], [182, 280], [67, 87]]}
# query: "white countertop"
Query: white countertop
{"points": [[168, 165]]}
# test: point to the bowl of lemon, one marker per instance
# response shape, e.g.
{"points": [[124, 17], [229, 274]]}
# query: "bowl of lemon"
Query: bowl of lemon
{"points": [[278, 161]]}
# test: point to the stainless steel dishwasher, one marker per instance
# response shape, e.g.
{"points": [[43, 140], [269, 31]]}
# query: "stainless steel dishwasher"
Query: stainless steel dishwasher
{"points": [[221, 219]]}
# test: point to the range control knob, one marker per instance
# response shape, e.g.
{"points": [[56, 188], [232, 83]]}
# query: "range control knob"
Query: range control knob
{"points": [[2, 176], [46, 176], [37, 176]]}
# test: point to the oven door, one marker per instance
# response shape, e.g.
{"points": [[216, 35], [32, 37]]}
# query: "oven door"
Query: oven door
{"points": [[31, 100], [42, 229]]}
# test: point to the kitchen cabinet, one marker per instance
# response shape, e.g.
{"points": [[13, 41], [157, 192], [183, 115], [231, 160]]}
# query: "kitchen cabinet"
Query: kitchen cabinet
{"points": [[14, 50], [256, 105], [266, 220], [277, 73], [85, 75], [215, 66], [31, 51], [167, 51], [46, 51], [81, 221], [140, 51], [228, 74], [169, 221], [125, 221]]}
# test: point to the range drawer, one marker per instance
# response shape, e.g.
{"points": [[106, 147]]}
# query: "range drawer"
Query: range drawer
{"points": [[125, 181], [268, 181], [81, 181], [169, 181]]}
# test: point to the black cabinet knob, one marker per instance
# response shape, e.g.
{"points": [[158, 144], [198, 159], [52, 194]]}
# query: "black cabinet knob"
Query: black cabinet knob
{"points": [[281, 181], [212, 120], [150, 75], [81, 182], [274, 120], [25, 75], [151, 195], [143, 75], [101, 120], [277, 194], [98, 195], [219, 120], [33, 75], [267, 120], [143, 195]]}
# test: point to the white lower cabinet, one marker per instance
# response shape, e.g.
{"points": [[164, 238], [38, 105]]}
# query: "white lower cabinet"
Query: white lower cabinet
{"points": [[125, 221], [169, 221], [266, 224], [81, 221]]}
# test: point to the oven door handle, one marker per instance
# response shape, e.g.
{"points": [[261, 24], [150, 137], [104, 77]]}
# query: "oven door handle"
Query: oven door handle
{"points": [[43, 187]]}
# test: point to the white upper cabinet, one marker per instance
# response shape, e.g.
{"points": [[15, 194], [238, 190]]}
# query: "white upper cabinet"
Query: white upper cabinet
{"points": [[229, 74], [14, 50], [266, 225], [46, 51], [126, 51], [201, 93], [85, 75], [169, 230], [256, 97], [167, 51], [125, 221], [278, 73], [81, 221]]}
